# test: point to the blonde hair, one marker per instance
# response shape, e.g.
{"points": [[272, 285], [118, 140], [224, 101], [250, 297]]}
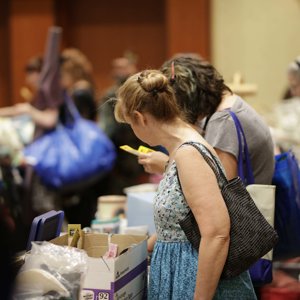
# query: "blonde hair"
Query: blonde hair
{"points": [[148, 91]]}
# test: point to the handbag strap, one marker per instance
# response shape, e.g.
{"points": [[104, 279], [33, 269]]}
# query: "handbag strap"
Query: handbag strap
{"points": [[244, 156], [211, 161], [71, 108]]}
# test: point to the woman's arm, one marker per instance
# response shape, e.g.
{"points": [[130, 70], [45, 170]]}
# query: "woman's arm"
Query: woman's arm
{"points": [[151, 242], [229, 163], [203, 195], [9, 111], [44, 118], [153, 162], [47, 118]]}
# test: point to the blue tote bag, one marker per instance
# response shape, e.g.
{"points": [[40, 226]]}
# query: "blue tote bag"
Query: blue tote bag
{"points": [[76, 151], [261, 271], [287, 211]]}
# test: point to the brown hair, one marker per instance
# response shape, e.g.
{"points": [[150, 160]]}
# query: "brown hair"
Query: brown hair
{"points": [[148, 91], [75, 63], [34, 64], [198, 86]]}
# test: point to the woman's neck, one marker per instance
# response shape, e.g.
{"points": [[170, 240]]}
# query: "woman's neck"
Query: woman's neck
{"points": [[175, 134], [227, 101]]}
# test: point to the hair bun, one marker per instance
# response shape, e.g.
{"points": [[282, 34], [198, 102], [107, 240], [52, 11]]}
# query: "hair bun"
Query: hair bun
{"points": [[153, 81]]}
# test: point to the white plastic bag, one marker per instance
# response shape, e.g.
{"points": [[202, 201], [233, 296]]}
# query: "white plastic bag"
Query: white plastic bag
{"points": [[51, 272]]}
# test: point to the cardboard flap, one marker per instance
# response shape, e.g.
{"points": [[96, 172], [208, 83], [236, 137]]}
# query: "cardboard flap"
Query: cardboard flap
{"points": [[95, 245], [94, 239], [126, 241], [96, 251], [61, 240]]}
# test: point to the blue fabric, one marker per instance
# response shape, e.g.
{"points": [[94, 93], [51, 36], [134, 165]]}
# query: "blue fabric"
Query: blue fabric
{"points": [[173, 271], [287, 205], [261, 272], [174, 261], [173, 275], [72, 152]]}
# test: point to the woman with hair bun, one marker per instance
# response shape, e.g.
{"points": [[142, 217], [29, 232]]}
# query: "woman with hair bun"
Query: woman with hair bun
{"points": [[146, 101]]}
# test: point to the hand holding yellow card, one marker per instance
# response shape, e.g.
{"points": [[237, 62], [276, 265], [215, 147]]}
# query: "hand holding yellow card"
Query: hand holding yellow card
{"points": [[140, 150]]}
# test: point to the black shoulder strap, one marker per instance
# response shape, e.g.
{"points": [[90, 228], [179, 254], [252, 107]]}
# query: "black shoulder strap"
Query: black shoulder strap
{"points": [[211, 161]]}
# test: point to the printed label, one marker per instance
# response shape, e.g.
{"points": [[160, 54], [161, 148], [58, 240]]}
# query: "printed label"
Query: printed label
{"points": [[87, 295], [103, 296]]}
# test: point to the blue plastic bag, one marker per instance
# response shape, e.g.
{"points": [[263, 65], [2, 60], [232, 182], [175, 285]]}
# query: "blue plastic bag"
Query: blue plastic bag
{"points": [[72, 153], [287, 208]]}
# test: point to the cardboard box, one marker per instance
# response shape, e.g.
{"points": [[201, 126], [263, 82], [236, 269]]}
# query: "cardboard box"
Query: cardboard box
{"points": [[120, 278]]}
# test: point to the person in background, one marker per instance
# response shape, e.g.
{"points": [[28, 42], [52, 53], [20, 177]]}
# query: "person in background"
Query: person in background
{"points": [[44, 111], [121, 69], [146, 101], [29, 119], [76, 78], [285, 116], [32, 74], [126, 171], [44, 115], [80, 205], [293, 76]]}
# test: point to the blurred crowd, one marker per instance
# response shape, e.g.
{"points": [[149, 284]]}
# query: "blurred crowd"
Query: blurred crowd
{"points": [[21, 191], [26, 121], [23, 195]]}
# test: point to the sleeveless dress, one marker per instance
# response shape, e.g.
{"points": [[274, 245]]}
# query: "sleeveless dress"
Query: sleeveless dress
{"points": [[174, 261]]}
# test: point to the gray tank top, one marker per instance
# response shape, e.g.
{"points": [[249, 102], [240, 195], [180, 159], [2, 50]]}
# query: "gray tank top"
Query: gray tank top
{"points": [[221, 134]]}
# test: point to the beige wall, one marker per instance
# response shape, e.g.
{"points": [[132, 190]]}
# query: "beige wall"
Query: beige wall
{"points": [[258, 38]]}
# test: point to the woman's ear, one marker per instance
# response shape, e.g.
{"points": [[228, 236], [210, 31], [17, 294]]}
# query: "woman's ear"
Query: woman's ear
{"points": [[140, 118]]}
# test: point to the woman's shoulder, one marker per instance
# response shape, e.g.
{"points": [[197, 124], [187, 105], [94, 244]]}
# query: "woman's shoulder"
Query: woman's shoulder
{"points": [[243, 110], [191, 150], [236, 106]]}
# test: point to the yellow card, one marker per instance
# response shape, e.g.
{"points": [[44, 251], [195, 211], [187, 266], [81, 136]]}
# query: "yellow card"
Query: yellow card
{"points": [[130, 150], [141, 149]]}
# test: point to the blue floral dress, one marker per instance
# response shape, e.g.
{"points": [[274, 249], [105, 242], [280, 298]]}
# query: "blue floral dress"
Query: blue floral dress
{"points": [[174, 261]]}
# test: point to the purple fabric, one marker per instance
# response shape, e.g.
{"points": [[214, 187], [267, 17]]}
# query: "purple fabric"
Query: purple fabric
{"points": [[244, 156], [261, 272]]}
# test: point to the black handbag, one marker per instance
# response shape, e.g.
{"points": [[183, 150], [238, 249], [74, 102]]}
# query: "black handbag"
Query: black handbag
{"points": [[251, 236]]}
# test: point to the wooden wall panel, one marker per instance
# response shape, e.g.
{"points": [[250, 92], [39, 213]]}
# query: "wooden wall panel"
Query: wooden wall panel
{"points": [[103, 30], [28, 27], [4, 54], [188, 27]]}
